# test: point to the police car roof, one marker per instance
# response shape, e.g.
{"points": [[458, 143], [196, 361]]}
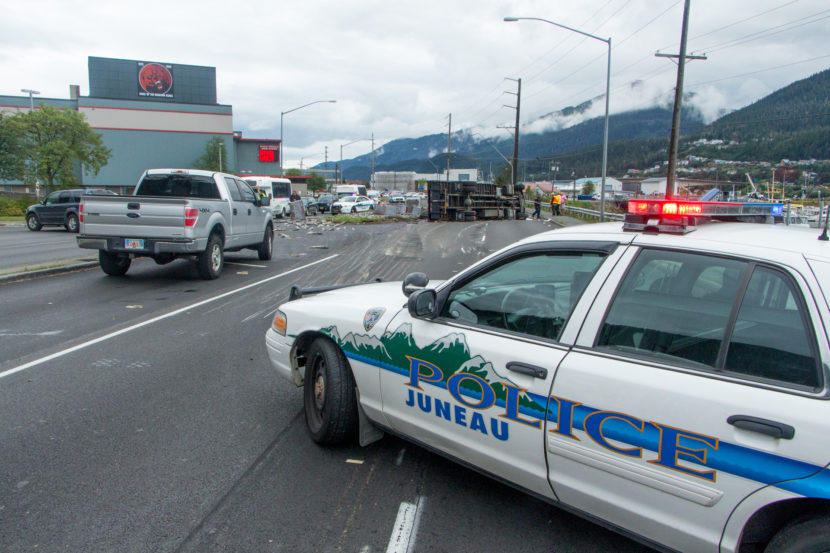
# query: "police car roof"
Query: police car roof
{"points": [[725, 237]]}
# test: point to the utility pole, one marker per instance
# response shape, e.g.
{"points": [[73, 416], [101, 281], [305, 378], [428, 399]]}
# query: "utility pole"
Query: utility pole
{"points": [[514, 169], [449, 135], [372, 176], [516, 136], [671, 189]]}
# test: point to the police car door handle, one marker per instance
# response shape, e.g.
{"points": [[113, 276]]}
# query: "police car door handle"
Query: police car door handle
{"points": [[530, 370], [762, 426]]}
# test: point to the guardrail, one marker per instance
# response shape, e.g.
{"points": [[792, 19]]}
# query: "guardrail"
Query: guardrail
{"points": [[593, 214], [582, 212]]}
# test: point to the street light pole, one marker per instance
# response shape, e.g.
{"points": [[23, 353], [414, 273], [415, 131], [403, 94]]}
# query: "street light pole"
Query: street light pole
{"points": [[283, 113], [31, 99], [607, 98]]}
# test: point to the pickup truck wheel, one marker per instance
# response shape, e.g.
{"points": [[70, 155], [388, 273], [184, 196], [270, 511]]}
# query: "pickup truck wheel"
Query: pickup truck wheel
{"points": [[113, 264], [266, 248], [329, 396], [32, 223], [211, 260], [810, 535], [71, 223]]}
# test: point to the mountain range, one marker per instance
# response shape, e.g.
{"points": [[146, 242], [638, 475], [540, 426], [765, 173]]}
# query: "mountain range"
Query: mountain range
{"points": [[791, 123]]}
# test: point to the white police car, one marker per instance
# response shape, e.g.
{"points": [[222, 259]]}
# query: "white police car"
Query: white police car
{"points": [[672, 385], [352, 204]]}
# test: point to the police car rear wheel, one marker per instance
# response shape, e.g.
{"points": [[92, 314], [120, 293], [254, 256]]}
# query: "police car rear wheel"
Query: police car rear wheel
{"points": [[802, 536], [329, 397]]}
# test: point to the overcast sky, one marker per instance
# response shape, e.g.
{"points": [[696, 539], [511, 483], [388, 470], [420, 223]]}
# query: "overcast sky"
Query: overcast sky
{"points": [[397, 69]]}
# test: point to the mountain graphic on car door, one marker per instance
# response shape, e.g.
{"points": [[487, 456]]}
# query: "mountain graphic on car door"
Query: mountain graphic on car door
{"points": [[397, 352]]}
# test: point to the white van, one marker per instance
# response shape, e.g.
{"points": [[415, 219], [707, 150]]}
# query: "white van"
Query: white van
{"points": [[279, 190], [349, 190]]}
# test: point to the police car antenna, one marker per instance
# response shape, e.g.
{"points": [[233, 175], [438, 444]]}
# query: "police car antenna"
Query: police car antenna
{"points": [[826, 220]]}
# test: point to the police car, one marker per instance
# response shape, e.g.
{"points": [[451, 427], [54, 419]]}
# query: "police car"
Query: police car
{"points": [[352, 204], [668, 377]]}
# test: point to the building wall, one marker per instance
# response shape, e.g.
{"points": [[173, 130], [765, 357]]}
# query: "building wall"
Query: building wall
{"points": [[147, 130], [135, 151], [132, 116], [401, 181]]}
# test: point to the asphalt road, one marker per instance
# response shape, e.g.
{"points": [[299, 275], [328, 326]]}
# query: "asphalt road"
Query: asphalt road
{"points": [[20, 246], [141, 414]]}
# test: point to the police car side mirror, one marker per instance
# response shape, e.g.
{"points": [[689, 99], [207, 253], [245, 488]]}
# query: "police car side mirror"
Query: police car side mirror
{"points": [[421, 304], [413, 282]]}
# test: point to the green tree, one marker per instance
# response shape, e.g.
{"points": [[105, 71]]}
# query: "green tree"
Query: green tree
{"points": [[293, 173], [12, 150], [588, 188], [215, 157], [56, 142], [316, 183]]}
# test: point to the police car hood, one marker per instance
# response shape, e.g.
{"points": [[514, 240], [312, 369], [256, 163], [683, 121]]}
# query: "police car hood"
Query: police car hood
{"points": [[347, 307]]}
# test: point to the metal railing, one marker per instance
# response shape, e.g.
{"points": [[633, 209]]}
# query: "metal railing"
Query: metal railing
{"points": [[579, 211]]}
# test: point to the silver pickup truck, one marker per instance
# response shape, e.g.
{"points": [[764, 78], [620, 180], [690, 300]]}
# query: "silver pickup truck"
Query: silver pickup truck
{"points": [[177, 213]]}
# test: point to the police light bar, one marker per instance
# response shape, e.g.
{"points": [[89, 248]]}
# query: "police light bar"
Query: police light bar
{"points": [[702, 209], [680, 217]]}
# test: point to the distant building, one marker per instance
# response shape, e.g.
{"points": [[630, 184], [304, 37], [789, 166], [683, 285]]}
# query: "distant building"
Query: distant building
{"points": [[401, 181], [153, 114], [407, 181]]}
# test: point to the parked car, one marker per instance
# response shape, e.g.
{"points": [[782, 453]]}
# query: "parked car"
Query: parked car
{"points": [[666, 377], [352, 204], [60, 208], [397, 200]]}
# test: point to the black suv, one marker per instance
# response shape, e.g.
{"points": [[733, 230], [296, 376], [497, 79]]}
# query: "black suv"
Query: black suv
{"points": [[324, 202], [60, 208]]}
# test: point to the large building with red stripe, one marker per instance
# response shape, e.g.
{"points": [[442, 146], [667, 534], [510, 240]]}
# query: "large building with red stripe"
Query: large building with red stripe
{"points": [[154, 114]]}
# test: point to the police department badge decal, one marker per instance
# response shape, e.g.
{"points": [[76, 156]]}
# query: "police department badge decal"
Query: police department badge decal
{"points": [[372, 316]]}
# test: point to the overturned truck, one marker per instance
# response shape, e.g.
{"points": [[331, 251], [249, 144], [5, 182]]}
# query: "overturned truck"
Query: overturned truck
{"points": [[470, 201]]}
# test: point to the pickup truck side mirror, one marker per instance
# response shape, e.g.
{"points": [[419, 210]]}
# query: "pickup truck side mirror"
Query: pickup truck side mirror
{"points": [[266, 201], [421, 304]]}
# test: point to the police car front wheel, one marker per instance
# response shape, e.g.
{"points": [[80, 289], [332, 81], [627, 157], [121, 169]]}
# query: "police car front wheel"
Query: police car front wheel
{"points": [[810, 535], [329, 397]]}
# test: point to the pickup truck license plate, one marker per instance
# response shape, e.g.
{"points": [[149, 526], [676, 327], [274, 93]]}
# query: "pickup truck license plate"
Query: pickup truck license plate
{"points": [[133, 244]]}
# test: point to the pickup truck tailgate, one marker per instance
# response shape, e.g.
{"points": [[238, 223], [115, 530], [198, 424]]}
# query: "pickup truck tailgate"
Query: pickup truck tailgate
{"points": [[135, 216]]}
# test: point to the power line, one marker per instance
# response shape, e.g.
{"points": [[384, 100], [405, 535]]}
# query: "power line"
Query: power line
{"points": [[784, 27], [761, 70]]}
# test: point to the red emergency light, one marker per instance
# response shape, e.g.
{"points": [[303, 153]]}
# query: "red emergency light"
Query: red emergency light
{"points": [[665, 207]]}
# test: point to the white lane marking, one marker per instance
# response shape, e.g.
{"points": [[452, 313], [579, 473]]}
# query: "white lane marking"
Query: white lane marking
{"points": [[100, 339], [245, 264], [406, 527], [46, 333]]}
